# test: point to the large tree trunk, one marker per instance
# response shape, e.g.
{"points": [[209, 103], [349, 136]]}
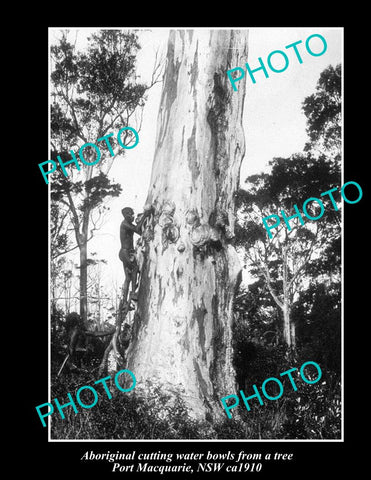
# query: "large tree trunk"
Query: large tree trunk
{"points": [[182, 328]]}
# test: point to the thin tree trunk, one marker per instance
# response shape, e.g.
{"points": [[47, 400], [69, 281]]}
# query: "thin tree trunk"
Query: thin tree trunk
{"points": [[81, 229], [293, 335], [288, 327], [83, 282], [286, 324], [83, 245], [182, 327]]}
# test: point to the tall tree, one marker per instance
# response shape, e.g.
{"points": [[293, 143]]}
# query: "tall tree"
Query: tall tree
{"points": [[182, 326], [96, 290], [284, 260], [94, 94]]}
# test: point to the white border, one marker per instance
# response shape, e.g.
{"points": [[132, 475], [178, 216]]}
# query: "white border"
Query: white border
{"points": [[341, 440]]}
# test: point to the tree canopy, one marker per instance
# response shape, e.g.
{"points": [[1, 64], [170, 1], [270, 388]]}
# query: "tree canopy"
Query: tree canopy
{"points": [[93, 92], [292, 263], [323, 112]]}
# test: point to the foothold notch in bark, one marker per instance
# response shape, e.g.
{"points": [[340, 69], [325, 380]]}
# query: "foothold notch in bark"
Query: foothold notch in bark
{"points": [[228, 233], [221, 219], [170, 230], [181, 246], [204, 234], [179, 272], [200, 235], [172, 233], [192, 217]]}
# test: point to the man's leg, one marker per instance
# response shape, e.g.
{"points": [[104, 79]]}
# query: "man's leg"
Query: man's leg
{"points": [[134, 277], [125, 288]]}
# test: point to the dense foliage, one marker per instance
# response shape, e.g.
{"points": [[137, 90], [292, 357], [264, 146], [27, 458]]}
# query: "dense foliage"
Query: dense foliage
{"points": [[311, 412]]}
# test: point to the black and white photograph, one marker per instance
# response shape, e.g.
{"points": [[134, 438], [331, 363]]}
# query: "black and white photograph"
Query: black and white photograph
{"points": [[196, 193]]}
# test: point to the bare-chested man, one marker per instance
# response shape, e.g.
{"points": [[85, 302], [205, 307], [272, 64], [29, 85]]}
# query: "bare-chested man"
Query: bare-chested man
{"points": [[127, 253]]}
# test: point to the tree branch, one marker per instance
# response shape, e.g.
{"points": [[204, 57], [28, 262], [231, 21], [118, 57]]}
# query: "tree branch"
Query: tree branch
{"points": [[265, 271], [59, 254], [271, 290], [304, 262]]}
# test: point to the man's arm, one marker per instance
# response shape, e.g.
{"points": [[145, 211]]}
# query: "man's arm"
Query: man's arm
{"points": [[131, 227], [139, 225]]}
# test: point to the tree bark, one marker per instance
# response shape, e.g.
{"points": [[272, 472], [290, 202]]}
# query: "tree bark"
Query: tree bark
{"points": [[81, 229], [288, 326], [189, 268], [84, 282]]}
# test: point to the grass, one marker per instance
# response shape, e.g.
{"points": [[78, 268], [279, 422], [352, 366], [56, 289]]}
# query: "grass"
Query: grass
{"points": [[312, 412]]}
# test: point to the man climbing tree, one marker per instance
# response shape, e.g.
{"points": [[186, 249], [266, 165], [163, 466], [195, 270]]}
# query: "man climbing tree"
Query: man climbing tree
{"points": [[94, 92], [127, 252]]}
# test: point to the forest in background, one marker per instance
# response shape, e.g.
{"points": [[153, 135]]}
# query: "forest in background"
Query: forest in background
{"points": [[303, 267]]}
